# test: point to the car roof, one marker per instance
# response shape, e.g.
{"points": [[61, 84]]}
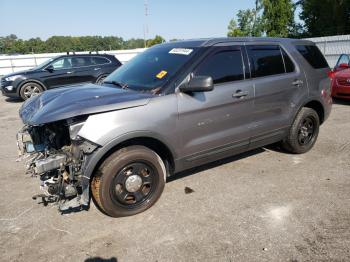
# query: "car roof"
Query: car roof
{"points": [[205, 42], [102, 55]]}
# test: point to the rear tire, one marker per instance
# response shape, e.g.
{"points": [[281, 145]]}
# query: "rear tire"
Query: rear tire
{"points": [[30, 89], [303, 133], [129, 181]]}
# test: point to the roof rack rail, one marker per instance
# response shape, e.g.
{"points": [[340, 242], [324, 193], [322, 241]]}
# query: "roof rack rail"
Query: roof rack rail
{"points": [[70, 52], [90, 52]]}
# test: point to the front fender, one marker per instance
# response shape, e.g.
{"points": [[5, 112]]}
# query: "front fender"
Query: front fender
{"points": [[95, 158]]}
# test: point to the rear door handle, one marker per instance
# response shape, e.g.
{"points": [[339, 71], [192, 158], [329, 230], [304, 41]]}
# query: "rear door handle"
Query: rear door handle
{"points": [[70, 72], [240, 94], [298, 83], [97, 68]]}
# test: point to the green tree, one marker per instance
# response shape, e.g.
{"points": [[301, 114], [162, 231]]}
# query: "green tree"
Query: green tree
{"points": [[55, 44], [233, 29], [156, 40], [34, 45], [134, 43], [326, 17], [249, 23], [9, 44], [278, 17]]}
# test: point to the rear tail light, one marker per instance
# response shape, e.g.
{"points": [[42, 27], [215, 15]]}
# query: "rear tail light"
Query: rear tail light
{"points": [[331, 74]]}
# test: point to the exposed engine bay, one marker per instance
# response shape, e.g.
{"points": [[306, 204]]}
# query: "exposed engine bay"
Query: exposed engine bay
{"points": [[56, 154]]}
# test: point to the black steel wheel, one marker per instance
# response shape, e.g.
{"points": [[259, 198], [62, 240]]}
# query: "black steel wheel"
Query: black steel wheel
{"points": [[303, 133], [134, 184], [306, 130], [129, 181]]}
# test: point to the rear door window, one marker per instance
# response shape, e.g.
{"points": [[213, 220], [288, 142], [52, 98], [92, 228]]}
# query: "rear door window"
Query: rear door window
{"points": [[313, 55], [223, 66], [80, 61], [265, 60]]}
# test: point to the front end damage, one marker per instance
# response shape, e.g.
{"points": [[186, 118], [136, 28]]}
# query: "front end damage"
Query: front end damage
{"points": [[49, 142], [56, 154]]}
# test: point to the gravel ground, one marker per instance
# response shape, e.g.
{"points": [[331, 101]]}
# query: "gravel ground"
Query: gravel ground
{"points": [[264, 205]]}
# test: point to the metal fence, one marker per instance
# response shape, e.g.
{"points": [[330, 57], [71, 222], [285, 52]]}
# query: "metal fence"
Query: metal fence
{"points": [[14, 63], [331, 47]]}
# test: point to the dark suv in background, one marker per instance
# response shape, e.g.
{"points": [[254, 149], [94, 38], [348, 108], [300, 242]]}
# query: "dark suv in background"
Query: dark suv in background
{"points": [[61, 71]]}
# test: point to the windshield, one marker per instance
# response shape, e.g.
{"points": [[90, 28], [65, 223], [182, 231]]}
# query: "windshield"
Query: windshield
{"points": [[43, 64], [150, 70]]}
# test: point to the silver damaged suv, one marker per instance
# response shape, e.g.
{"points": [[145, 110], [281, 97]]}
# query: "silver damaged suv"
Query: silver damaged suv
{"points": [[173, 107]]}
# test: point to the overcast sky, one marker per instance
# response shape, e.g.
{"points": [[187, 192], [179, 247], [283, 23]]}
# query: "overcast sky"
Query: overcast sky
{"points": [[179, 19]]}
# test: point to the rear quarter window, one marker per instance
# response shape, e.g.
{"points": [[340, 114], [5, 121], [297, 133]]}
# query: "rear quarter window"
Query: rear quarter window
{"points": [[99, 60], [313, 56]]}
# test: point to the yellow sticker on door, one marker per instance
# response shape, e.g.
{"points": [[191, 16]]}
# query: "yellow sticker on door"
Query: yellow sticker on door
{"points": [[161, 74]]}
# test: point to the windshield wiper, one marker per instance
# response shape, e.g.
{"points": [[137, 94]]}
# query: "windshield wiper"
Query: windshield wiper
{"points": [[116, 83]]}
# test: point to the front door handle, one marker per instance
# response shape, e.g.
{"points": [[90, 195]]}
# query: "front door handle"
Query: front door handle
{"points": [[97, 68], [70, 72], [298, 83], [240, 94]]}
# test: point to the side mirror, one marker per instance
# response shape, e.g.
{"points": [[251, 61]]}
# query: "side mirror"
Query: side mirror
{"points": [[198, 84], [50, 68]]}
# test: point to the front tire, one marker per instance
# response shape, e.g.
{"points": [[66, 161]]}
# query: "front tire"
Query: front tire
{"points": [[100, 79], [129, 181], [303, 133], [30, 89]]}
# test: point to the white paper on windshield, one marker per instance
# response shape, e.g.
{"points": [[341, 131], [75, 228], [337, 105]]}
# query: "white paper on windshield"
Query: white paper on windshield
{"points": [[181, 51]]}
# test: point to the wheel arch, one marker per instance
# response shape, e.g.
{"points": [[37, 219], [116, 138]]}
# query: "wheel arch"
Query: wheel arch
{"points": [[318, 107], [103, 75], [154, 143], [30, 81]]}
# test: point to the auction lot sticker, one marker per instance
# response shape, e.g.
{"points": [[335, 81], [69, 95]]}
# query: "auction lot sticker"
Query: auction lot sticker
{"points": [[161, 74], [181, 51]]}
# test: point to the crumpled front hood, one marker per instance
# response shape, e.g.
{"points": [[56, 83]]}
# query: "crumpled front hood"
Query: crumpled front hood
{"points": [[64, 103]]}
